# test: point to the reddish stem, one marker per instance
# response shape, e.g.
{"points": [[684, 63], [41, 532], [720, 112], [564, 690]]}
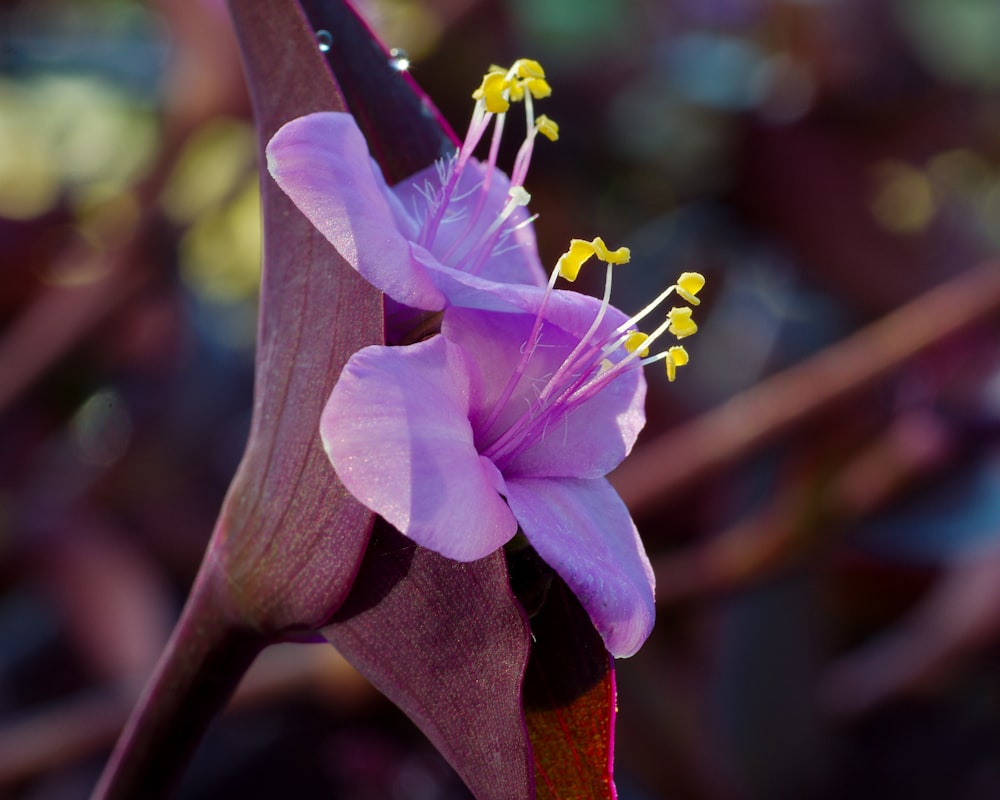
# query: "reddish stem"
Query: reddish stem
{"points": [[207, 655]]}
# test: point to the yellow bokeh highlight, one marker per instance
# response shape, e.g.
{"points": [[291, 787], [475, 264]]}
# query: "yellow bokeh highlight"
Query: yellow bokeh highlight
{"points": [[220, 254], [408, 25], [214, 193], [61, 134], [212, 167], [903, 199]]}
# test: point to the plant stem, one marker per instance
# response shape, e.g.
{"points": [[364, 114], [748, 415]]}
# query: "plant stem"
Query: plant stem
{"points": [[207, 655]]}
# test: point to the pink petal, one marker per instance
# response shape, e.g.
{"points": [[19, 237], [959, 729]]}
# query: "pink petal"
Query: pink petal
{"points": [[474, 291], [587, 442], [321, 162], [397, 431], [583, 531]]}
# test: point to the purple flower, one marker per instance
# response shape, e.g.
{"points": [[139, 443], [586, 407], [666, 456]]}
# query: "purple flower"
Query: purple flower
{"points": [[470, 438], [513, 415], [456, 233], [508, 420]]}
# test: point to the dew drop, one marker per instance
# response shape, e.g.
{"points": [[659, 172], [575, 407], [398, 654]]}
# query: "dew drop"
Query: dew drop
{"points": [[399, 60], [324, 39], [101, 429]]}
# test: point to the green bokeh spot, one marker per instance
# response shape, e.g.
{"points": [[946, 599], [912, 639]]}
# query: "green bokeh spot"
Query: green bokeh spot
{"points": [[957, 39]]}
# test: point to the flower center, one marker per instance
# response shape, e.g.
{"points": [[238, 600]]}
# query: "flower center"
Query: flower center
{"points": [[523, 82], [596, 360]]}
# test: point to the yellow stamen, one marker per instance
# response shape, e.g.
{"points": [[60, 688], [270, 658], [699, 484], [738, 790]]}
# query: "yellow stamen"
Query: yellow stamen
{"points": [[580, 250], [527, 74], [491, 92], [620, 256], [547, 127], [539, 87], [528, 68], [681, 324], [677, 356], [689, 284], [634, 341], [569, 263]]}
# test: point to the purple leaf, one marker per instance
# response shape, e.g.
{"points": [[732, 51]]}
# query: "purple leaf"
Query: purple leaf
{"points": [[290, 536], [447, 643], [405, 132]]}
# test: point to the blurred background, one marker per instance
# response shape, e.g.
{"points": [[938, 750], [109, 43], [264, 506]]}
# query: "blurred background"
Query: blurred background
{"points": [[819, 491]]}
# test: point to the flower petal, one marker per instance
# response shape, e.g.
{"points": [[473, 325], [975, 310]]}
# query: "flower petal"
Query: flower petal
{"points": [[564, 308], [589, 441], [321, 162], [475, 291], [583, 531], [396, 429]]}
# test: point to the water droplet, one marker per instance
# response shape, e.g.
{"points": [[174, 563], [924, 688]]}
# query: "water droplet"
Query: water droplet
{"points": [[399, 60], [325, 41], [101, 429]]}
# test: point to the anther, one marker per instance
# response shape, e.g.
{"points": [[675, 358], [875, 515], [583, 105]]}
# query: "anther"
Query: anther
{"points": [[527, 74], [491, 92], [519, 196], [547, 127], [528, 68], [689, 284], [676, 357], [620, 256], [538, 87], [636, 340], [569, 263], [681, 324]]}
